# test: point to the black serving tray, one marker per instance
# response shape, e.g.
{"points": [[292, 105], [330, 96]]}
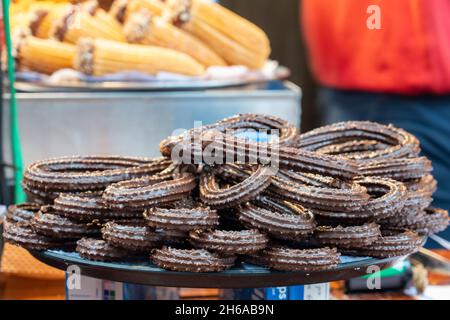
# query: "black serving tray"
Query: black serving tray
{"points": [[242, 276]]}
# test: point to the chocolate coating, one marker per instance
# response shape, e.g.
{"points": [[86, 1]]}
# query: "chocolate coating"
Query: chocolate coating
{"points": [[89, 206], [400, 143], [434, 220], [181, 219], [100, 250], [324, 193], [132, 235], [46, 223], [348, 237], [398, 169], [388, 197], [194, 260], [212, 195], [229, 242], [287, 134], [393, 245], [21, 234], [295, 224], [173, 238], [148, 192], [287, 259], [21, 212], [405, 218], [76, 174]]}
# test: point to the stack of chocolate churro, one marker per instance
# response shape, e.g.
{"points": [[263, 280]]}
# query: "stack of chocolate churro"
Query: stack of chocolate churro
{"points": [[248, 188]]}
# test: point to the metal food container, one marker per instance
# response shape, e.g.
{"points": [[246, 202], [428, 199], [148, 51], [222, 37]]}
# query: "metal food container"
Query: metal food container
{"points": [[56, 124]]}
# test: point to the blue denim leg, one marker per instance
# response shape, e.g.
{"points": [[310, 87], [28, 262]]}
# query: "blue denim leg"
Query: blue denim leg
{"points": [[427, 117]]}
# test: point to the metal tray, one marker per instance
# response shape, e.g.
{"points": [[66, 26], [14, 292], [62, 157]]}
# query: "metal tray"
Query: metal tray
{"points": [[281, 73], [241, 276]]}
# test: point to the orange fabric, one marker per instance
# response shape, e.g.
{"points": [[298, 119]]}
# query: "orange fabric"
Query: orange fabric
{"points": [[410, 54], [17, 261]]}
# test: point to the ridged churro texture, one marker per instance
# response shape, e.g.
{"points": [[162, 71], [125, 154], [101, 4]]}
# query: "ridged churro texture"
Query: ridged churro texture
{"points": [[121, 10], [142, 28], [77, 23], [44, 55], [233, 26], [43, 20], [200, 33], [99, 57], [237, 40], [156, 7]]}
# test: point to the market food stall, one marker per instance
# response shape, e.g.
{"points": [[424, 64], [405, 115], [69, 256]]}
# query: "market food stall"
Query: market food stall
{"points": [[160, 146]]}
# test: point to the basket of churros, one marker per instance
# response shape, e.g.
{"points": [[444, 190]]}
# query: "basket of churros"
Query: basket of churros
{"points": [[140, 41]]}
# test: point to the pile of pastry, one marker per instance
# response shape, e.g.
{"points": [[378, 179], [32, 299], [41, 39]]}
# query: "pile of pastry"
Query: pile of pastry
{"points": [[221, 194], [150, 36]]}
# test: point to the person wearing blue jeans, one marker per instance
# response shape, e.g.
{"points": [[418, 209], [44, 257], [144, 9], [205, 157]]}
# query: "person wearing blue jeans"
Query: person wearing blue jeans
{"points": [[386, 61], [427, 117]]}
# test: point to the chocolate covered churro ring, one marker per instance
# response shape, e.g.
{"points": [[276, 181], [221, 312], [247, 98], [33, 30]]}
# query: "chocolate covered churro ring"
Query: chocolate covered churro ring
{"points": [[287, 133], [46, 223], [426, 185], [283, 153], [387, 196], [348, 237], [287, 259], [418, 198], [74, 174], [38, 196], [144, 193], [212, 195], [405, 218], [353, 149], [398, 169], [173, 238], [311, 179], [420, 193], [190, 260], [21, 212], [295, 223], [181, 219], [284, 157], [328, 165], [233, 172], [184, 203], [434, 221], [89, 206], [136, 236], [401, 143], [392, 244], [229, 242], [21, 234], [319, 193], [100, 250], [325, 217]]}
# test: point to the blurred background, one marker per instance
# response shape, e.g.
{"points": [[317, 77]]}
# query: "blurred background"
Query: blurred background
{"points": [[378, 60], [282, 24]]}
